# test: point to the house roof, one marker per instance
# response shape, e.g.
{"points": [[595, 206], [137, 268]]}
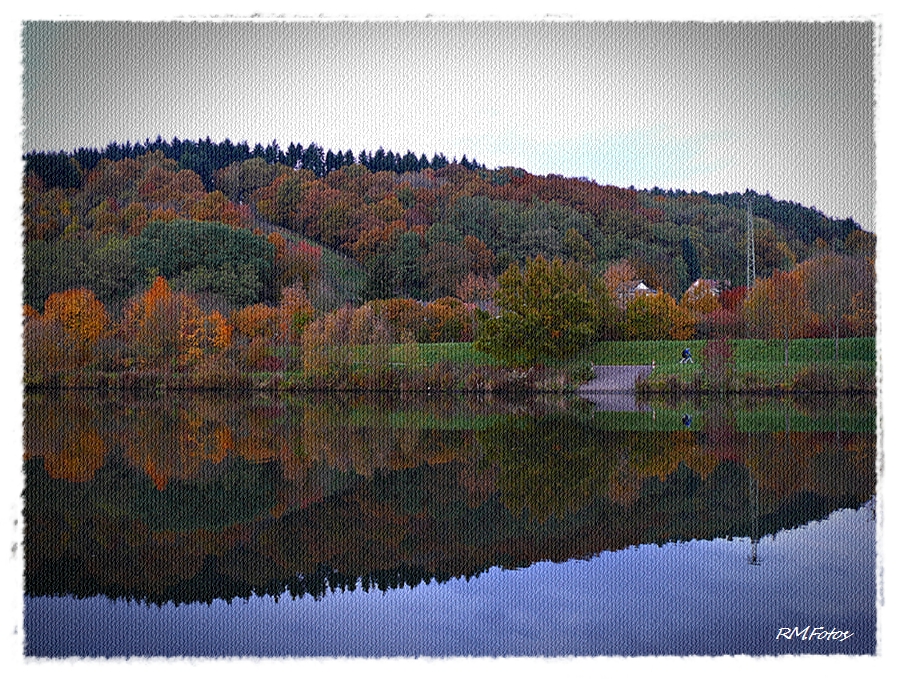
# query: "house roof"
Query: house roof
{"points": [[631, 287], [712, 284]]}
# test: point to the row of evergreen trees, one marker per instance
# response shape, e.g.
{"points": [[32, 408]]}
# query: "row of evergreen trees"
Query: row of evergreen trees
{"points": [[206, 156]]}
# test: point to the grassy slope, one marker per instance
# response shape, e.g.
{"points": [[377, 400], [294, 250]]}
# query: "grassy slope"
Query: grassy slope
{"points": [[748, 354], [761, 360], [343, 277]]}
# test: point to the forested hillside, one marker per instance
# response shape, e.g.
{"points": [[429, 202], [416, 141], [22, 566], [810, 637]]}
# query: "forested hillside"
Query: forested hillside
{"points": [[418, 227], [408, 246]]}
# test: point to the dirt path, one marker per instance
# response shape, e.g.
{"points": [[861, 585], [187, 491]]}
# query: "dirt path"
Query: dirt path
{"points": [[616, 378]]}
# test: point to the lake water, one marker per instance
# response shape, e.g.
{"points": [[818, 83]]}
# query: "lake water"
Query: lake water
{"points": [[202, 524]]}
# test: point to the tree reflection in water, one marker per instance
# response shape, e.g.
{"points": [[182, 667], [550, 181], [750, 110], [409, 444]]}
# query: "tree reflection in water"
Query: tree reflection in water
{"points": [[200, 496]]}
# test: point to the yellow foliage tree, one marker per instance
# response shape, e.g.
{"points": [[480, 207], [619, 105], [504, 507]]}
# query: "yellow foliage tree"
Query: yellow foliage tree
{"points": [[83, 319], [657, 316], [218, 331], [700, 299]]}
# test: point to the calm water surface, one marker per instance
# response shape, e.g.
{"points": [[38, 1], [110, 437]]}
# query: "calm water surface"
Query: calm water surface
{"points": [[203, 525]]}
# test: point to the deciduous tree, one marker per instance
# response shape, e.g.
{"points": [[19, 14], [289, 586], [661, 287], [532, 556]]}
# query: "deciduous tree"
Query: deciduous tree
{"points": [[700, 299], [257, 320], [777, 307], [835, 285], [45, 350], [447, 320], [178, 247], [164, 329], [294, 312], [616, 276], [657, 316], [545, 314], [83, 319]]}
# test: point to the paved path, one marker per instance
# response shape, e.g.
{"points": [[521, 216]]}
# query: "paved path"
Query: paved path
{"points": [[616, 378]]}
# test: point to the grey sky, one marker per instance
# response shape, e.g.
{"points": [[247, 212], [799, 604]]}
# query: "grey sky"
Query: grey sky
{"points": [[782, 108]]}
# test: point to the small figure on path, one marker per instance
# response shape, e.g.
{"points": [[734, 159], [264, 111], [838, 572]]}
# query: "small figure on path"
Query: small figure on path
{"points": [[686, 356], [687, 420]]}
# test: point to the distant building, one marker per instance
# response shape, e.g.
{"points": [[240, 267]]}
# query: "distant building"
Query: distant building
{"points": [[716, 287], [628, 290]]}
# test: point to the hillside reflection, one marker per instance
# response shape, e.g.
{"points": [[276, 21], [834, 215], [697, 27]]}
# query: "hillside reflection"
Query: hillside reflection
{"points": [[194, 497]]}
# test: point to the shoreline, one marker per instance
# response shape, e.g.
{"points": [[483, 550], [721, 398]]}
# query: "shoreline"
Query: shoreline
{"points": [[605, 368], [145, 382]]}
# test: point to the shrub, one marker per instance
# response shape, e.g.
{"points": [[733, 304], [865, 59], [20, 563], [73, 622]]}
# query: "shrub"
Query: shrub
{"points": [[717, 360], [826, 377]]}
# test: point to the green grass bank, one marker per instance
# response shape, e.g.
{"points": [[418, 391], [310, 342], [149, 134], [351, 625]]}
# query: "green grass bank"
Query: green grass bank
{"points": [[755, 366]]}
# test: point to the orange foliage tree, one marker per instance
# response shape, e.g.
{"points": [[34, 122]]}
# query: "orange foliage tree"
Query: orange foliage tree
{"points": [[64, 337], [215, 207], [83, 318], [166, 329], [447, 320], [403, 316], [257, 320], [840, 290], [777, 307], [616, 276], [256, 326], [81, 314], [293, 314]]}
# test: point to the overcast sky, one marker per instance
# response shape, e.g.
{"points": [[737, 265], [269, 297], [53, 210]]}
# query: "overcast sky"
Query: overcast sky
{"points": [[782, 108]]}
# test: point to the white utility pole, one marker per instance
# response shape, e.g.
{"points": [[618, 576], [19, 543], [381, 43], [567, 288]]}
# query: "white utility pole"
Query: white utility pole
{"points": [[751, 248]]}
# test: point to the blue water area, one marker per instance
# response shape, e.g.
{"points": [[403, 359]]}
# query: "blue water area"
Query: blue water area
{"points": [[695, 598]]}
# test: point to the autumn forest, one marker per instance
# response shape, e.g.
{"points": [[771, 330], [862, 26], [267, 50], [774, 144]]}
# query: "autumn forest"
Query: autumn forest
{"points": [[221, 265]]}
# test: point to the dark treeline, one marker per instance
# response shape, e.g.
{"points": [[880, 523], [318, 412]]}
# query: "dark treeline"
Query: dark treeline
{"points": [[206, 156], [808, 222]]}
